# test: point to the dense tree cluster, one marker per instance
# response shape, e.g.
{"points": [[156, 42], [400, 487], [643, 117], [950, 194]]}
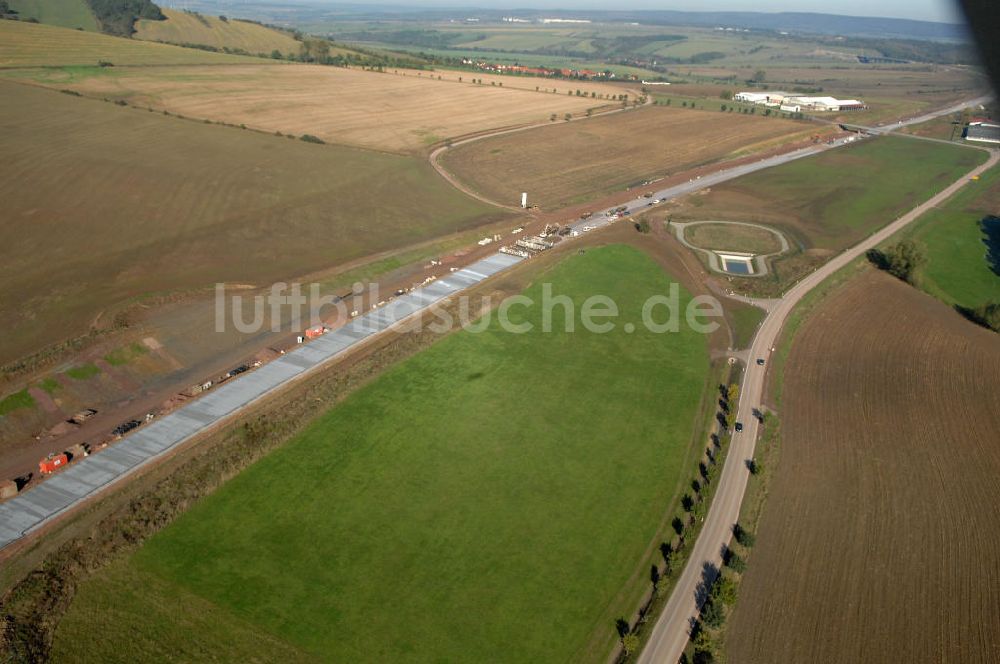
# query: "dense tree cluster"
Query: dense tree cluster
{"points": [[902, 260], [118, 17]]}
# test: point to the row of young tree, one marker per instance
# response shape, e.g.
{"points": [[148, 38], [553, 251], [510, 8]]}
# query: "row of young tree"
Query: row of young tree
{"points": [[717, 593], [694, 505]]}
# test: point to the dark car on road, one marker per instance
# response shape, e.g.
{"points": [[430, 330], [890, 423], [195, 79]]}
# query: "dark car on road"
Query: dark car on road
{"points": [[739, 427]]}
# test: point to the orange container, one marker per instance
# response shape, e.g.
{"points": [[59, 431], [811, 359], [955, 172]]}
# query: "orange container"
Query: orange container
{"points": [[50, 465]]}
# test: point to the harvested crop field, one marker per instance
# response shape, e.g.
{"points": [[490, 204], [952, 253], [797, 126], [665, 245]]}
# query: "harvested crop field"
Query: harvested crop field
{"points": [[572, 162], [402, 112], [147, 204], [184, 28], [35, 45], [458, 508], [597, 91], [879, 540]]}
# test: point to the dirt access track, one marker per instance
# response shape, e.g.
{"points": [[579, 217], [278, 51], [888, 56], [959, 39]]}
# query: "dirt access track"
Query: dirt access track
{"points": [[880, 537]]}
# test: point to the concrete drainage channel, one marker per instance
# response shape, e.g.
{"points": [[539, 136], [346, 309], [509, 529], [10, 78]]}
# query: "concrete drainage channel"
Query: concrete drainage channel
{"points": [[731, 262]]}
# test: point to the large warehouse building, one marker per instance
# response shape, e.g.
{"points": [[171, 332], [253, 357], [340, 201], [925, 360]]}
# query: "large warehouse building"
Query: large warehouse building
{"points": [[796, 103], [982, 132]]}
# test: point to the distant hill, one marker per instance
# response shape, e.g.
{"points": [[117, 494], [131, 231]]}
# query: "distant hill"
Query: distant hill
{"points": [[803, 22], [24, 44], [64, 13], [117, 17], [318, 12], [113, 17], [220, 33]]}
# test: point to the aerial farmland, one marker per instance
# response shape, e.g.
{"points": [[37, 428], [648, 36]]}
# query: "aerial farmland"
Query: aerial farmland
{"points": [[420, 334], [893, 467], [344, 106]]}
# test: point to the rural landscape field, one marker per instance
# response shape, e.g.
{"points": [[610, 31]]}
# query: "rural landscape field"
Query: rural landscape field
{"points": [[825, 205], [534, 531], [431, 334], [888, 454], [270, 196], [572, 162], [337, 105]]}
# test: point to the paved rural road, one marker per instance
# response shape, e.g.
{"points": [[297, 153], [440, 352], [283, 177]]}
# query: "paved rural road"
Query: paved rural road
{"points": [[960, 106], [671, 631]]}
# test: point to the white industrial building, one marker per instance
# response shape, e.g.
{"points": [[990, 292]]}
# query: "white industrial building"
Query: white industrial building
{"points": [[761, 98], [796, 103], [982, 132], [827, 103]]}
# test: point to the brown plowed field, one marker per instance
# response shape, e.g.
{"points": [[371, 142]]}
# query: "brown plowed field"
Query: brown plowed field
{"points": [[103, 204], [879, 541], [567, 163]]}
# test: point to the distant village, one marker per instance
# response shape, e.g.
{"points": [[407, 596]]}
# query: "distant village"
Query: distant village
{"points": [[561, 72]]}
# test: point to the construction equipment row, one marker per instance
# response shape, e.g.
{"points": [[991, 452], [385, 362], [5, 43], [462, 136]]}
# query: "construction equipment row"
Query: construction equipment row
{"points": [[527, 247]]}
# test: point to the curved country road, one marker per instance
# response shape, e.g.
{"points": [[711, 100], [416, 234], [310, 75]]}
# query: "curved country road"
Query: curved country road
{"points": [[670, 633]]}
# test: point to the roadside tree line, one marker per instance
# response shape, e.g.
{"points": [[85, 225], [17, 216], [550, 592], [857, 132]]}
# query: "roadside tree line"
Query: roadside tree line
{"points": [[685, 524]]}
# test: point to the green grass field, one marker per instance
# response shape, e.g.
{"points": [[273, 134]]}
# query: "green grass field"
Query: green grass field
{"points": [[183, 28], [492, 498], [744, 320], [826, 203], [62, 13], [16, 401], [147, 204], [958, 270], [83, 372], [36, 45], [50, 385], [122, 356], [734, 237], [835, 199]]}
